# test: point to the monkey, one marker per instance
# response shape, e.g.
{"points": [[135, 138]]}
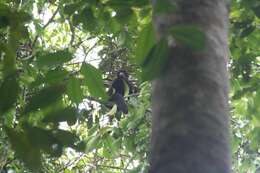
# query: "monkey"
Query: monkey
{"points": [[120, 88]]}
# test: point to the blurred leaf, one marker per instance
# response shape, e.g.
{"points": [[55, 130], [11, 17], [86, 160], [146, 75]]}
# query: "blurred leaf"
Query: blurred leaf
{"points": [[55, 76], [88, 19], [67, 138], [81, 146], [166, 6], [9, 59], [4, 21], [50, 60], [68, 114], [21, 17], [128, 3], [113, 26], [257, 11], [44, 98], [247, 31], [255, 138], [71, 8], [74, 90], [256, 105], [94, 81], [130, 143], [145, 42], [4, 15], [9, 91], [124, 15], [235, 142], [155, 61], [28, 153], [16, 20], [189, 36], [109, 145], [44, 140], [92, 142], [137, 169]]}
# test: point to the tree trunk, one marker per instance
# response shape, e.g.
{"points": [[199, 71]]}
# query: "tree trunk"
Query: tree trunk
{"points": [[190, 131]]}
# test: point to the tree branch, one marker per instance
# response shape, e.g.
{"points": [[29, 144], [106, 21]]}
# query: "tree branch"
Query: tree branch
{"points": [[46, 25]]}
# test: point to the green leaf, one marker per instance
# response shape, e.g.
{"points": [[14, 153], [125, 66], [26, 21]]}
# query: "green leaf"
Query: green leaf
{"points": [[129, 3], [21, 17], [88, 19], [4, 13], [256, 105], [109, 143], [257, 11], [124, 14], [71, 8], [9, 91], [55, 76], [68, 114], [130, 143], [155, 61], [81, 146], [44, 140], [165, 6], [4, 21], [44, 98], [67, 138], [255, 138], [74, 90], [247, 31], [50, 60], [28, 153], [9, 59], [189, 36], [92, 142], [113, 26], [94, 81], [145, 42]]}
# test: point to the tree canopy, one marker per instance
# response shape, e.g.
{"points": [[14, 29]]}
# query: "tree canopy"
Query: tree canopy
{"points": [[57, 61]]}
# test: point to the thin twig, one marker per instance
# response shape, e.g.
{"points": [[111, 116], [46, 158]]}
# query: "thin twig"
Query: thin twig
{"points": [[81, 41], [113, 167], [72, 29], [70, 163], [89, 50], [46, 25]]}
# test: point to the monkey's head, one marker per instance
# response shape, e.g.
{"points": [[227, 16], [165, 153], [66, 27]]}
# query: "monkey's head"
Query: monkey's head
{"points": [[122, 74]]}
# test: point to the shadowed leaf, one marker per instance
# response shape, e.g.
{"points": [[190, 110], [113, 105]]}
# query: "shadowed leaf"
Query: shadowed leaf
{"points": [[44, 98], [68, 114], [44, 140], [94, 81], [166, 6], [189, 36], [9, 91], [155, 61], [56, 75], [124, 15], [50, 60], [145, 42], [28, 153], [67, 138], [74, 90]]}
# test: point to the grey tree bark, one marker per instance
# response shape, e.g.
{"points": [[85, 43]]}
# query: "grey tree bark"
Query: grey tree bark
{"points": [[190, 128]]}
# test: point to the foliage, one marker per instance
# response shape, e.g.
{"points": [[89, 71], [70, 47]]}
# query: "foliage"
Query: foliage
{"points": [[57, 59], [245, 79]]}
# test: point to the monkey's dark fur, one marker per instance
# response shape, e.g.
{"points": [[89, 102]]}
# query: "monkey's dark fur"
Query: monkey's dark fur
{"points": [[117, 91]]}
